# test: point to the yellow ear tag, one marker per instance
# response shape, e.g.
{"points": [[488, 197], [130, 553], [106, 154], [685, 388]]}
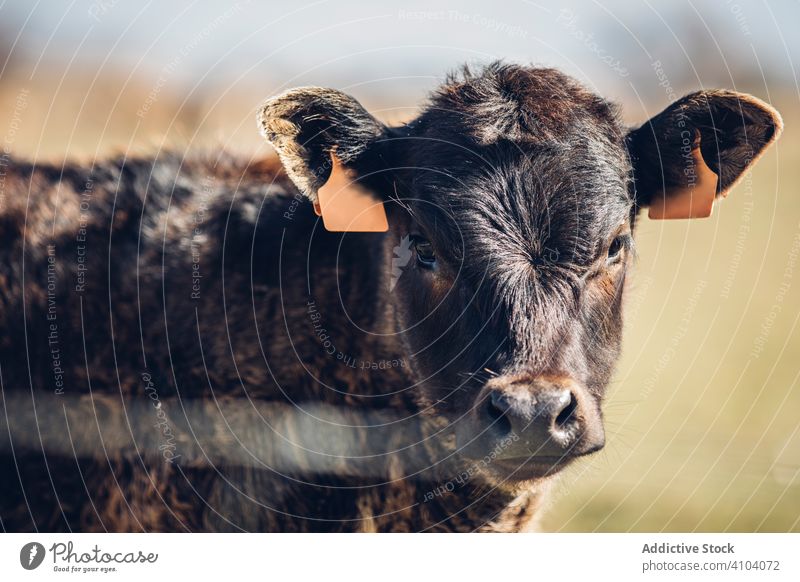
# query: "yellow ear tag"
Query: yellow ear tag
{"points": [[695, 200], [346, 206]]}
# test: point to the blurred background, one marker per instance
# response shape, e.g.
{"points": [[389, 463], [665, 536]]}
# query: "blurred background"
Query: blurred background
{"points": [[702, 417]]}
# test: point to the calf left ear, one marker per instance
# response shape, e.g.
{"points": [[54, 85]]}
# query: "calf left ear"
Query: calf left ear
{"points": [[308, 124], [325, 140], [697, 149]]}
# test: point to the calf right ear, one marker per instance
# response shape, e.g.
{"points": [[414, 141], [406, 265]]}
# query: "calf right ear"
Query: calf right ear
{"points": [[312, 128], [697, 149]]}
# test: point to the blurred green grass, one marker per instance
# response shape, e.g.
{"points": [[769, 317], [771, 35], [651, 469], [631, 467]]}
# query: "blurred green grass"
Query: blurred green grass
{"points": [[702, 418]]}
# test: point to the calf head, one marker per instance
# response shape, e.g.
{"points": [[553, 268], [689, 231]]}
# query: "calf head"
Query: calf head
{"points": [[511, 202]]}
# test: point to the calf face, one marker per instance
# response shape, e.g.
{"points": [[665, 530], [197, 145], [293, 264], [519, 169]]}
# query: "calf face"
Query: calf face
{"points": [[511, 202]]}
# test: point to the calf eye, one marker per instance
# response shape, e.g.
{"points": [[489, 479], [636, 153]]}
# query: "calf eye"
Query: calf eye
{"points": [[617, 246], [425, 255]]}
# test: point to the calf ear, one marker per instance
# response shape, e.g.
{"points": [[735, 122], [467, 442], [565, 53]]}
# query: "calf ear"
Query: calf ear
{"points": [[697, 149], [306, 125], [323, 137]]}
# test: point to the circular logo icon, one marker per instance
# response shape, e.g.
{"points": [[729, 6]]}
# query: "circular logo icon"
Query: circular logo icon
{"points": [[31, 555]]}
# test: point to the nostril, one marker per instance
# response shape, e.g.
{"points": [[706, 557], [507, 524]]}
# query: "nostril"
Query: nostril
{"points": [[494, 412], [496, 407], [568, 414], [498, 402]]}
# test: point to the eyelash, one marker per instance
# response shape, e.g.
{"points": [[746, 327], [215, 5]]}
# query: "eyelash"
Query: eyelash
{"points": [[425, 260], [619, 245]]}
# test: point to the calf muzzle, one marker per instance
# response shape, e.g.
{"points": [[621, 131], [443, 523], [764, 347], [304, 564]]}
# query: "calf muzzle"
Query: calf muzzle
{"points": [[545, 419]]}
